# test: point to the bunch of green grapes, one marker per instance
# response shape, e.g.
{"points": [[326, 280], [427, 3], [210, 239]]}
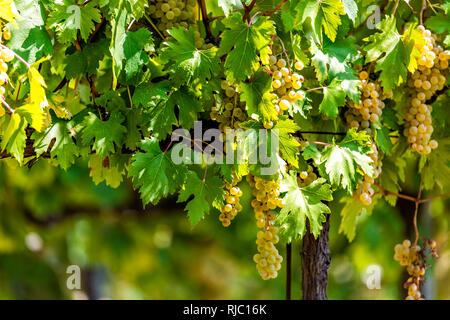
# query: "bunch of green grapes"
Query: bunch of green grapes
{"points": [[430, 77], [230, 113], [364, 191], [232, 206], [268, 260], [286, 84], [369, 109], [266, 193], [6, 56], [305, 178], [172, 13]]}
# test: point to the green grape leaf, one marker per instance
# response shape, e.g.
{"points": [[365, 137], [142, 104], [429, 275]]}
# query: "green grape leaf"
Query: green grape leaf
{"points": [[438, 23], [343, 161], [162, 117], [333, 98], [154, 173], [241, 43], [438, 167], [383, 140], [186, 60], [30, 40], [258, 97], [288, 145], [393, 68], [103, 134], [300, 204], [59, 137], [69, 18], [205, 191], [322, 15], [350, 213]]}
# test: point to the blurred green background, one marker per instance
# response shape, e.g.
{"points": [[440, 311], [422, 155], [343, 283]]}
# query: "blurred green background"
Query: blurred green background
{"points": [[50, 219]]}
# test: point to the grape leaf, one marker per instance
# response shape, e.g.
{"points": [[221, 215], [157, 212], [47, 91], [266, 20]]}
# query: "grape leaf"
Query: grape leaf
{"points": [[333, 98], [205, 191], [187, 61], [68, 18], [103, 134], [258, 97], [351, 9], [241, 43], [106, 169], [350, 213], [154, 173], [30, 40], [14, 135], [59, 135], [438, 23], [229, 5], [288, 144], [383, 140], [302, 203], [322, 15]]}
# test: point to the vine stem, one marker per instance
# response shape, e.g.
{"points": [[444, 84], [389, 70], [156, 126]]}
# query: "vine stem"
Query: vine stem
{"points": [[17, 56], [416, 210], [202, 5], [7, 106], [399, 195], [248, 9], [278, 7], [424, 6], [320, 143], [314, 89], [395, 7], [288, 270]]}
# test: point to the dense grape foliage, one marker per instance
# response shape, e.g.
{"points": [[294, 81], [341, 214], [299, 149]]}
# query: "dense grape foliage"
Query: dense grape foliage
{"points": [[329, 106]]}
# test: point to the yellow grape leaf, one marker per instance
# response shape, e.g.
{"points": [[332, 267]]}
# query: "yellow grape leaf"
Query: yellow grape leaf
{"points": [[35, 109], [413, 40], [8, 11], [2, 111]]}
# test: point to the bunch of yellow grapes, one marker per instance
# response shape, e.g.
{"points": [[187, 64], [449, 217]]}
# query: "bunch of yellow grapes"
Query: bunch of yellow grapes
{"points": [[369, 109], [286, 84], [172, 13], [268, 260], [422, 85], [232, 206], [6, 56], [305, 178], [266, 192], [231, 111], [364, 191]]}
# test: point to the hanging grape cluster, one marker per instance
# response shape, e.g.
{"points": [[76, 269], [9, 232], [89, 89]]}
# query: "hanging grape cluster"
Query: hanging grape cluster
{"points": [[286, 85], [413, 258], [172, 13], [6, 56], [364, 191], [421, 86], [232, 206], [266, 193], [369, 109], [230, 112]]}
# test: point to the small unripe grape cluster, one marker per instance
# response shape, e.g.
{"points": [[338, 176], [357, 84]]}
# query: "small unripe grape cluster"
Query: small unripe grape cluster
{"points": [[231, 111], [305, 178], [364, 191], [268, 260], [232, 206], [406, 253], [172, 13], [370, 107], [267, 197], [421, 86], [266, 193], [286, 84]]}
